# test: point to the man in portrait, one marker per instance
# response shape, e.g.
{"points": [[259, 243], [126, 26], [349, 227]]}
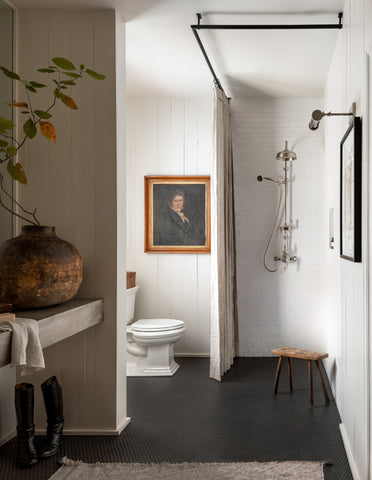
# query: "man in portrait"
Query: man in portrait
{"points": [[177, 221]]}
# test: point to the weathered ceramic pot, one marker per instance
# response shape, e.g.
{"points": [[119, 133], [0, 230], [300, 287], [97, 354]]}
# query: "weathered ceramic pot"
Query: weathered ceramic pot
{"points": [[38, 269]]}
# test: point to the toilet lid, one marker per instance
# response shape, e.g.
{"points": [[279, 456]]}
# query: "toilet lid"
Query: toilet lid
{"points": [[156, 325]]}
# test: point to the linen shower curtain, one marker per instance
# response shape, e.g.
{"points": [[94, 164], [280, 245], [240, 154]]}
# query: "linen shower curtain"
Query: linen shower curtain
{"points": [[224, 315]]}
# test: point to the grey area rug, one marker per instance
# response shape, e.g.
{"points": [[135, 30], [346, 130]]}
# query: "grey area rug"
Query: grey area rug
{"points": [[72, 470]]}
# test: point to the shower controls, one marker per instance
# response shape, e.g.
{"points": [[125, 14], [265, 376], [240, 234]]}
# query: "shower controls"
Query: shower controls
{"points": [[285, 258]]}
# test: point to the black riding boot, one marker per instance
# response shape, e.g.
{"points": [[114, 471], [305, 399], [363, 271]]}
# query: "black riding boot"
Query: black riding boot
{"points": [[52, 393], [24, 405]]}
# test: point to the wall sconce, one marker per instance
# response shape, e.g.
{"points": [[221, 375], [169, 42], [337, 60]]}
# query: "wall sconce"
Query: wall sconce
{"points": [[317, 115]]}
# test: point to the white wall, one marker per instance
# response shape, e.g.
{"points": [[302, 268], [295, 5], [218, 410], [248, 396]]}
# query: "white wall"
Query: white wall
{"points": [[168, 136], [283, 308], [74, 186], [346, 286]]}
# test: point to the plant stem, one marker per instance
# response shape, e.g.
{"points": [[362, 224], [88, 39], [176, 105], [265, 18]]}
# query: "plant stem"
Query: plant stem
{"points": [[32, 214]]}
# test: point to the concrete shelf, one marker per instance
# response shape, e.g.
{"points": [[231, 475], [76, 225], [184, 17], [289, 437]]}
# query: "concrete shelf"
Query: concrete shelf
{"points": [[56, 323]]}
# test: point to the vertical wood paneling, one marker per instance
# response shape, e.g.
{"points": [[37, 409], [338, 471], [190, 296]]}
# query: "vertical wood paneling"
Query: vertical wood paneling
{"points": [[177, 137], [164, 139], [164, 143], [105, 214], [61, 172], [75, 183], [191, 137], [151, 285], [7, 411], [82, 151], [36, 157]]}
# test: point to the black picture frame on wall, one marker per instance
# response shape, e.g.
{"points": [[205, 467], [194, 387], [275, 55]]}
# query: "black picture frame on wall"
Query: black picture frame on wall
{"points": [[351, 193]]}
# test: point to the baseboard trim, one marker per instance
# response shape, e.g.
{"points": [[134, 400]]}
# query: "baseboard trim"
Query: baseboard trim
{"points": [[123, 425], [89, 432], [192, 355], [349, 453], [7, 437]]}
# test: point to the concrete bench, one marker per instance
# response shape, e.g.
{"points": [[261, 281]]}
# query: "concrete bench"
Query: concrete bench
{"points": [[56, 323], [305, 355]]}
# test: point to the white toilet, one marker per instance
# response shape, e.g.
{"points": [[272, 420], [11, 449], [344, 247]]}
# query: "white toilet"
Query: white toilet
{"points": [[150, 343]]}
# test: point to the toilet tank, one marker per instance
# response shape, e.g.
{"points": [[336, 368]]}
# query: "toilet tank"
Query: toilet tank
{"points": [[131, 300]]}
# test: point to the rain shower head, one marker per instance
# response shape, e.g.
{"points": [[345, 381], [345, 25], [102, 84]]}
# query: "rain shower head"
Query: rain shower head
{"points": [[316, 116], [286, 154]]}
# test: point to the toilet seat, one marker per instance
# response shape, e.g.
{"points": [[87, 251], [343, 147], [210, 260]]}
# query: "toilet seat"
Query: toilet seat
{"points": [[157, 325]]}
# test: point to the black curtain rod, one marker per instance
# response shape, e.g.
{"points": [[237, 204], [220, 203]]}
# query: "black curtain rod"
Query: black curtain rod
{"points": [[218, 83], [270, 27], [253, 27], [306, 26]]}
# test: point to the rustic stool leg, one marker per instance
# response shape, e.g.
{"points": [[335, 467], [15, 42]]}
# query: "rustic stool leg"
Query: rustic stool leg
{"points": [[277, 374], [311, 382], [290, 373], [322, 381]]}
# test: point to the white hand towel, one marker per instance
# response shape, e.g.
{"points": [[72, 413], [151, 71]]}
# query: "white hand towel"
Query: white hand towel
{"points": [[26, 348]]}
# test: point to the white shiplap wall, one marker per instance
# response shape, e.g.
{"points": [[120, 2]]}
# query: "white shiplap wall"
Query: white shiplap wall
{"points": [[346, 287], [168, 136], [283, 308], [74, 185]]}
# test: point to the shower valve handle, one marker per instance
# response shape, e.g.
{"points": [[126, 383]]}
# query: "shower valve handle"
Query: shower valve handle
{"points": [[285, 258]]}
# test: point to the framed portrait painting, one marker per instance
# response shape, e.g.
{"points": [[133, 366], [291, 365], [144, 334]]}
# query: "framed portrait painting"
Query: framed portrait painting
{"points": [[350, 193], [177, 214]]}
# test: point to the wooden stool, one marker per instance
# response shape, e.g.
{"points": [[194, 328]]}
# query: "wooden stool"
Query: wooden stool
{"points": [[305, 355]]}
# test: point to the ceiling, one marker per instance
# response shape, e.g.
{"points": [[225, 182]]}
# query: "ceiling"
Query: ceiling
{"points": [[164, 59]]}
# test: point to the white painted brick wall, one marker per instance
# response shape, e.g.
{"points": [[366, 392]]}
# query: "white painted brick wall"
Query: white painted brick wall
{"points": [[283, 308]]}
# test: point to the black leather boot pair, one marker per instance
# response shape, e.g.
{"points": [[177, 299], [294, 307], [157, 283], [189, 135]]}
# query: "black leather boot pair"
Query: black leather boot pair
{"points": [[24, 404]]}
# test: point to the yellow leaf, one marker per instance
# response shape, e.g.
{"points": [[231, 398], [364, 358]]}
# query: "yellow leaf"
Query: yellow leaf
{"points": [[48, 131], [16, 172], [20, 173], [18, 104], [68, 101]]}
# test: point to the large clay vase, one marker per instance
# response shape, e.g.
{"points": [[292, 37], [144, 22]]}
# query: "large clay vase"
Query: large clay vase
{"points": [[38, 269]]}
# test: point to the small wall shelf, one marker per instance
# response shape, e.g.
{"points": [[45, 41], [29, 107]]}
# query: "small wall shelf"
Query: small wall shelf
{"points": [[57, 323]]}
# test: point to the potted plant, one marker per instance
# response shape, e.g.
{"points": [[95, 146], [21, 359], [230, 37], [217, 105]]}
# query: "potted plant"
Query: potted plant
{"points": [[37, 268]]}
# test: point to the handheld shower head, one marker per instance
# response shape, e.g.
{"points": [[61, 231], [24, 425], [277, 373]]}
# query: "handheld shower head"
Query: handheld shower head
{"points": [[260, 178]]}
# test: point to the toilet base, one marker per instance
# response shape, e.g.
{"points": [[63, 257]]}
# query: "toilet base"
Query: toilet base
{"points": [[159, 362], [139, 368]]}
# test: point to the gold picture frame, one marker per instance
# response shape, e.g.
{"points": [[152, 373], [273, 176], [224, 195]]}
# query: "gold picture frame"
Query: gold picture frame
{"points": [[177, 214]]}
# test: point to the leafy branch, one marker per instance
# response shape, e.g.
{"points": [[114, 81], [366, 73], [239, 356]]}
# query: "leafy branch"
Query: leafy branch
{"points": [[36, 119]]}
